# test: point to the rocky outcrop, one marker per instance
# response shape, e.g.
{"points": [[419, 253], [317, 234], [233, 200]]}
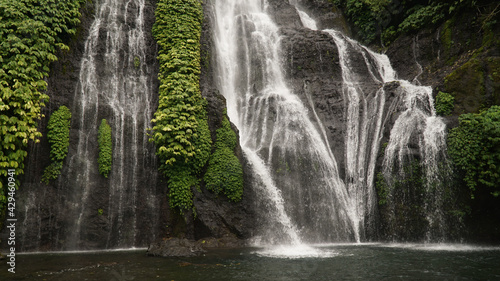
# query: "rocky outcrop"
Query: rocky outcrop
{"points": [[461, 57], [182, 247], [175, 247], [47, 219], [216, 217]]}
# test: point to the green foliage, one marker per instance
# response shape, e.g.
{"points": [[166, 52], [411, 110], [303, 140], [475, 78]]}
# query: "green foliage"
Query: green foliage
{"points": [[100, 212], [137, 62], [31, 32], [105, 141], [226, 137], [180, 129], [58, 133], [224, 173], [52, 172], [58, 136], [444, 103], [421, 16], [475, 149], [180, 181], [386, 19]]}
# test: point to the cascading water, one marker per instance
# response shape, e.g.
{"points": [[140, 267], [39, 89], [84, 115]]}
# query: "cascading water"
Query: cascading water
{"points": [[367, 116], [299, 182], [115, 83], [119, 89], [302, 193]]}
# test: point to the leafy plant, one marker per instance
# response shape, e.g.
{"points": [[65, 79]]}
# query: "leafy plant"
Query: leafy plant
{"points": [[180, 129], [52, 172], [58, 136], [444, 103], [31, 32], [386, 19], [105, 141], [224, 173], [137, 62], [58, 133], [475, 148]]}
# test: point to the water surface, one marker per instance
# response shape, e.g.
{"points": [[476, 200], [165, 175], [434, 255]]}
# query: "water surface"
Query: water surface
{"points": [[319, 262]]}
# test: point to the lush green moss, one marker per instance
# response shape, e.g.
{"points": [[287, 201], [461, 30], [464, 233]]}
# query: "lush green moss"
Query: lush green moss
{"points": [[58, 136], [466, 84], [446, 35], [180, 129], [224, 173], [475, 148], [444, 103], [105, 140]]}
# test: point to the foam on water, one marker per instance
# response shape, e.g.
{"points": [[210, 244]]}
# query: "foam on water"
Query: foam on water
{"points": [[442, 247], [132, 249], [296, 252]]}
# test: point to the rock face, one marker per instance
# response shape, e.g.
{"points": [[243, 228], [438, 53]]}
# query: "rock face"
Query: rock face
{"points": [[461, 57], [182, 247], [46, 218], [311, 64], [175, 247]]}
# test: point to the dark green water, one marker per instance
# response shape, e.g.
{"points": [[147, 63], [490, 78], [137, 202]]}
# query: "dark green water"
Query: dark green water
{"points": [[332, 262]]}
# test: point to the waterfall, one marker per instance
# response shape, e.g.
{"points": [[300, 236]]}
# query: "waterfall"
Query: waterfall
{"points": [[115, 83], [300, 188], [303, 198], [366, 116]]}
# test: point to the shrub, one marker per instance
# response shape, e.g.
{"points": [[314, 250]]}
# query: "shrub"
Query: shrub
{"points": [[58, 136], [105, 140], [180, 129], [475, 149], [224, 173], [444, 103]]}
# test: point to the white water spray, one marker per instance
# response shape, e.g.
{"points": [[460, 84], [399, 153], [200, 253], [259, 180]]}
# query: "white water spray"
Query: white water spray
{"points": [[299, 182], [114, 84]]}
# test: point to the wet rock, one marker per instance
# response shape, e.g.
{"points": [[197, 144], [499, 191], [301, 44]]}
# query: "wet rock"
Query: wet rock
{"points": [[175, 247]]}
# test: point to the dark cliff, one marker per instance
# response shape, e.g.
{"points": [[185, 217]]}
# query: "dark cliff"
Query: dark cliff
{"points": [[457, 56]]}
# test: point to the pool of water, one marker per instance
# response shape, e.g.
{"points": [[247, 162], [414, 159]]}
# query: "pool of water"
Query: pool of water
{"points": [[318, 262]]}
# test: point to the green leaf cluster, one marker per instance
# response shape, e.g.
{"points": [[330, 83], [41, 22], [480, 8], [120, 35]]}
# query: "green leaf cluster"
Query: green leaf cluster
{"points": [[420, 16], [224, 173], [386, 19], [105, 141], [31, 32], [475, 149], [58, 136], [180, 129], [52, 172], [58, 133], [444, 103]]}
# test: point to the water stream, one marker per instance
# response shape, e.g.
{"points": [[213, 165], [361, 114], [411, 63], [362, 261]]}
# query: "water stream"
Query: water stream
{"points": [[115, 83], [304, 198], [309, 201]]}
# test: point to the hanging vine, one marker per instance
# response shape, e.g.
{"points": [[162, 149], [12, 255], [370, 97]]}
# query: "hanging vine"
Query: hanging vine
{"points": [[180, 129]]}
